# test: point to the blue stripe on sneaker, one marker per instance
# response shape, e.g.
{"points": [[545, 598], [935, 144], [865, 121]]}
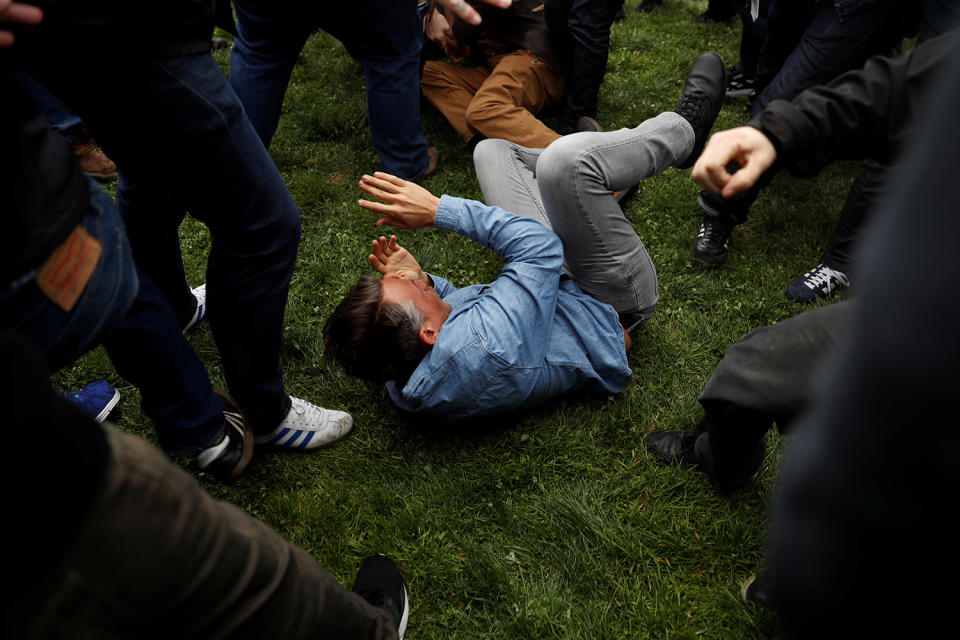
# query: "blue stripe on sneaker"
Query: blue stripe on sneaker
{"points": [[277, 437], [296, 434], [307, 440]]}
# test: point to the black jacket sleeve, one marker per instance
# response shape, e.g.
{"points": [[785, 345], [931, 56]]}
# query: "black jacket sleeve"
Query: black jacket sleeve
{"points": [[867, 113]]}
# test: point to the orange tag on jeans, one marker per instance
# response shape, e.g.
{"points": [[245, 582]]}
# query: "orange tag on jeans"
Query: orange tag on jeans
{"points": [[68, 269]]}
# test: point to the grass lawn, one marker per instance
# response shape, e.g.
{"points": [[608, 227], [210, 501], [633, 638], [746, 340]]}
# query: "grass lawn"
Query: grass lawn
{"points": [[554, 522]]}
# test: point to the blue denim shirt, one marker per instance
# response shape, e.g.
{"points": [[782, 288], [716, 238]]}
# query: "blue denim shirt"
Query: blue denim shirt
{"points": [[519, 341]]}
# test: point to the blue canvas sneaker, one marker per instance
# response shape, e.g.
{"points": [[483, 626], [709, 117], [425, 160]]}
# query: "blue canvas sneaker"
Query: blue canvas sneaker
{"points": [[97, 399]]}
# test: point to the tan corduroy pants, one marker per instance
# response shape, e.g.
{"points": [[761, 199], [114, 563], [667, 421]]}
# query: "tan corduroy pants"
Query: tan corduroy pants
{"points": [[496, 102]]}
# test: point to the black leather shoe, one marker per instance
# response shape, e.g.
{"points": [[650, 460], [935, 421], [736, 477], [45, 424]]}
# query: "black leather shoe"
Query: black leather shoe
{"points": [[710, 246], [673, 446], [586, 123], [701, 99]]}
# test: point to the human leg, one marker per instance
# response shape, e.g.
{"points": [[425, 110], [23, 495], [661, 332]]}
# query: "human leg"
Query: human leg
{"points": [[264, 53], [60, 335], [588, 25], [577, 177], [155, 554], [765, 377], [506, 172], [386, 39], [228, 181], [834, 41], [450, 88], [519, 86]]}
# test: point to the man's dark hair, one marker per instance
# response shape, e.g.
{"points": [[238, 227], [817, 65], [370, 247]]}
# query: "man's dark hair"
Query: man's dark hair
{"points": [[371, 339]]}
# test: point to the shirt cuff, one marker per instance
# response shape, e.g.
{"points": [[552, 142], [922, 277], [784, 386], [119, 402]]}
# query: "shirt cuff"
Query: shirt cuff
{"points": [[448, 212]]}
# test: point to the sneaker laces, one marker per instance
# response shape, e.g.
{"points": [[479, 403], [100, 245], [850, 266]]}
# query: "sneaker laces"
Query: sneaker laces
{"points": [[713, 231], [826, 279], [690, 107], [308, 415]]}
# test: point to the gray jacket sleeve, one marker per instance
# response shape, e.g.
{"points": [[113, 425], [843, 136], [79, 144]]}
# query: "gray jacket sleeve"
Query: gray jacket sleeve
{"points": [[868, 113]]}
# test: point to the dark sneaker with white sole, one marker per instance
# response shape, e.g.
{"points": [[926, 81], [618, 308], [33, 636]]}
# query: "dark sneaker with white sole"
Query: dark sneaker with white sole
{"points": [[701, 100], [756, 590], [819, 282], [227, 458], [712, 241], [379, 582], [740, 84]]}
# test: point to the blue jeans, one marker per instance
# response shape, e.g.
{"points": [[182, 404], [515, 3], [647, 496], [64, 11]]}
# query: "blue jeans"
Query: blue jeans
{"points": [[836, 39], [61, 117], [63, 336], [384, 36], [568, 187], [182, 141], [581, 33]]}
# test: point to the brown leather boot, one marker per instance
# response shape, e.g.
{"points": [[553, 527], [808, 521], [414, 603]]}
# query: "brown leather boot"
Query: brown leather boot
{"points": [[93, 161]]}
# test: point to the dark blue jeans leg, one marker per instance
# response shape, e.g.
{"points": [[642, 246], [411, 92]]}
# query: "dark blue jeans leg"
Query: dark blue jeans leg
{"points": [[264, 54], [864, 196], [155, 241], [588, 25], [387, 41], [63, 336], [61, 117], [213, 164], [833, 43]]}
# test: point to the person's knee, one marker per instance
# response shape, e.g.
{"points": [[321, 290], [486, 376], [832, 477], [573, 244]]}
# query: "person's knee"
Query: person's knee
{"points": [[565, 163], [488, 151]]}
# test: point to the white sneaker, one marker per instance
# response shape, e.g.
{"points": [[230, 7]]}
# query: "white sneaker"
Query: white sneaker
{"points": [[200, 293], [308, 426]]}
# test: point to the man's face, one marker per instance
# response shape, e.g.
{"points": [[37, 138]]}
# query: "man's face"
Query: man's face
{"points": [[397, 290]]}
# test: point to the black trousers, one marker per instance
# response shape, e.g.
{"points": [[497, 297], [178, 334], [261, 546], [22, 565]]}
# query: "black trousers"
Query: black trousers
{"points": [[156, 556], [766, 377]]}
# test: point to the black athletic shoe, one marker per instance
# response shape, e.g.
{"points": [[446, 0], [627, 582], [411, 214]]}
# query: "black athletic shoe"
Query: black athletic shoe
{"points": [[710, 246], [379, 582], [228, 457], [676, 447], [701, 99], [756, 590]]}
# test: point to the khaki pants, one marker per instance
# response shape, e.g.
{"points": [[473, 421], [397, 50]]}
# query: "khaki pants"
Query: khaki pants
{"points": [[496, 102]]}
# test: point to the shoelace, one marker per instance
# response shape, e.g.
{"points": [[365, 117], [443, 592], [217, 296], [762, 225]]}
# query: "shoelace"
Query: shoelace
{"points": [[690, 107], [306, 411], [714, 232], [826, 279]]}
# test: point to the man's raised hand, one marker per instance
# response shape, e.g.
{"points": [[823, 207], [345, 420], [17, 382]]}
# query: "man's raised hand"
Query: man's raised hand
{"points": [[16, 13], [744, 147], [390, 257], [405, 205]]}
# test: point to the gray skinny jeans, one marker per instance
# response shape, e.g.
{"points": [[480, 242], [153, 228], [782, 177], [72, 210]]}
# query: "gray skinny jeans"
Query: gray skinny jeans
{"points": [[568, 187]]}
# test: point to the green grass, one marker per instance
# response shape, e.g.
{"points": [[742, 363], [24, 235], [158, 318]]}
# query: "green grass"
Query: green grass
{"points": [[552, 523]]}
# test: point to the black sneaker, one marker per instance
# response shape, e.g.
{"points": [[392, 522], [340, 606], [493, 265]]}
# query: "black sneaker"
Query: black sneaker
{"points": [[710, 246], [379, 582], [756, 590], [740, 84], [229, 456], [676, 447], [701, 99], [819, 282]]}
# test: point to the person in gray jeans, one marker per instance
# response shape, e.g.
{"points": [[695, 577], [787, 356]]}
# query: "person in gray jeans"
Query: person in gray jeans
{"points": [[571, 187]]}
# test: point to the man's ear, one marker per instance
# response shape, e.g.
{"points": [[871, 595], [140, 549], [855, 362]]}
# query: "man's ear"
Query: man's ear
{"points": [[428, 335]]}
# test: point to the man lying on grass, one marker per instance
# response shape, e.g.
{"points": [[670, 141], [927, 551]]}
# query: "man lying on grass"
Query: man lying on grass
{"points": [[532, 334]]}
